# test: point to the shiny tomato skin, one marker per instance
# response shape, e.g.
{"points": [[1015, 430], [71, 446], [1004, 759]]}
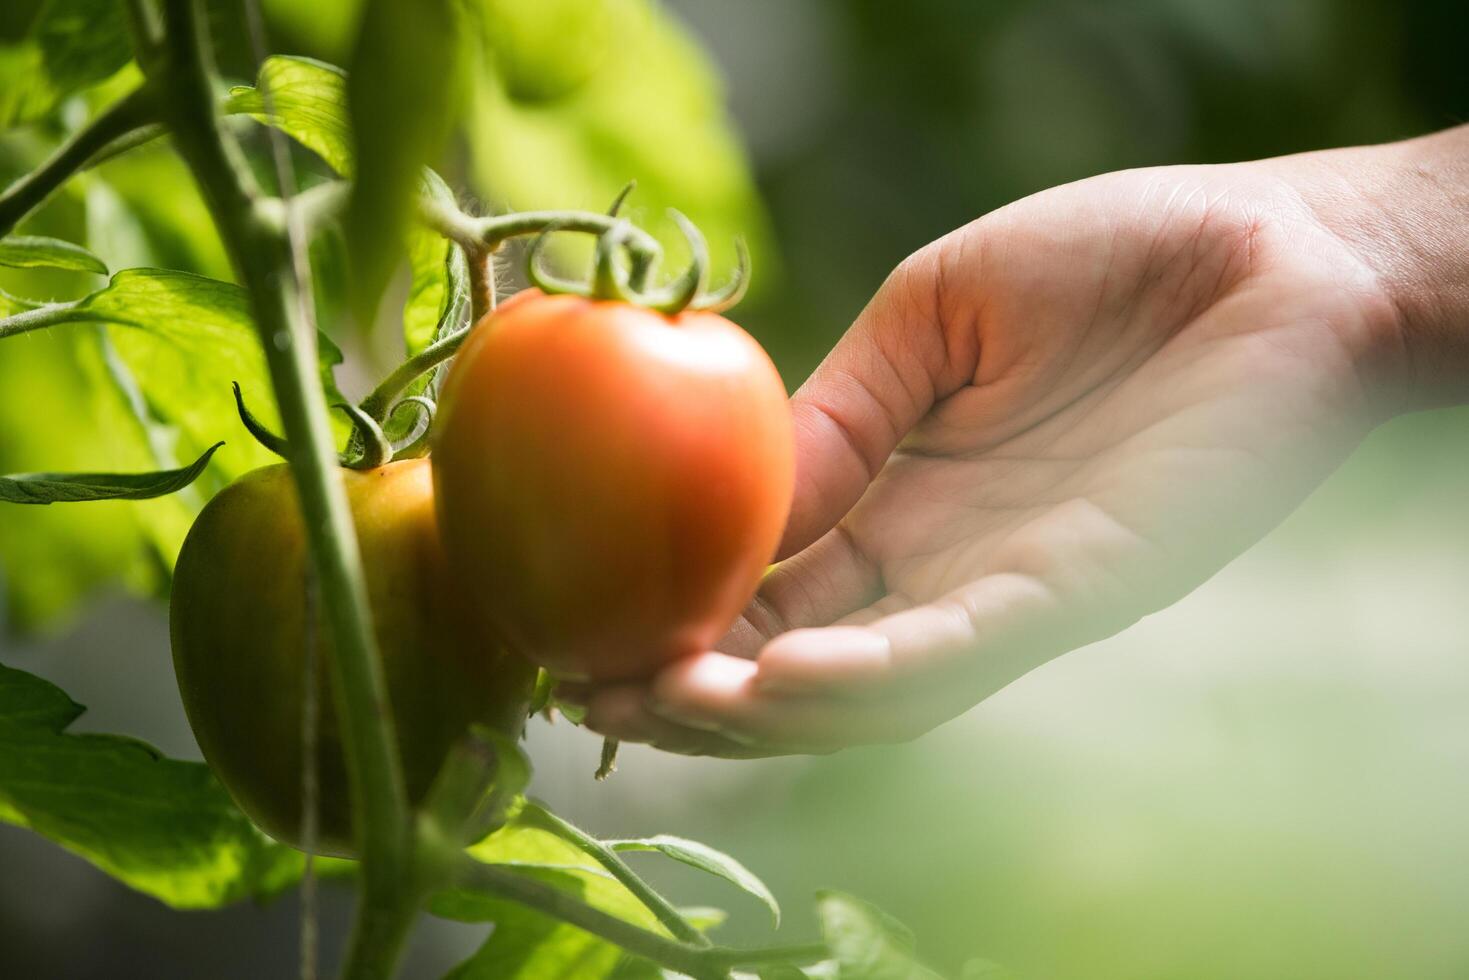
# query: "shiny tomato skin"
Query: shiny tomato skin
{"points": [[238, 621], [613, 479]]}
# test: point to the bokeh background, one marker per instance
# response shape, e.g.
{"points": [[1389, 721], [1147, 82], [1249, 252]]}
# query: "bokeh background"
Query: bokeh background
{"points": [[1268, 780]]}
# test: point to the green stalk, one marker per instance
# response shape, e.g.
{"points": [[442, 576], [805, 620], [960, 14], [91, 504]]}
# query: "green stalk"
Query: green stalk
{"points": [[131, 112], [42, 316], [488, 234], [260, 251], [480, 237], [385, 395], [536, 815], [481, 284], [696, 961]]}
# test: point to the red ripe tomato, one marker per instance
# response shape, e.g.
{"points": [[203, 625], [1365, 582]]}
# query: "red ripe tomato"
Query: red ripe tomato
{"points": [[238, 618], [614, 480]]}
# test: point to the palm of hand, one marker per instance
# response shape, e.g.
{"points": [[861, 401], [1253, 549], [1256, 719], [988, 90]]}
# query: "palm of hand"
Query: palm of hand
{"points": [[1109, 390]]}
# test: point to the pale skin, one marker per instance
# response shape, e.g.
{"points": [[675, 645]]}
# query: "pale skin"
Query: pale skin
{"points": [[1067, 415]]}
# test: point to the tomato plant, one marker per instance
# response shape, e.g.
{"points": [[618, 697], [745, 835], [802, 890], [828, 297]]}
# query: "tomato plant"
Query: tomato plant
{"points": [[242, 618], [615, 477], [605, 481]]}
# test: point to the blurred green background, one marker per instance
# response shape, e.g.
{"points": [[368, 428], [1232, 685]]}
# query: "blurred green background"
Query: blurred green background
{"points": [[1269, 780]]}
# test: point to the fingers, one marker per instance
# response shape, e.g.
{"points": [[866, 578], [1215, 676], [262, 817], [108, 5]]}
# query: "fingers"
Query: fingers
{"points": [[622, 712], [816, 690], [882, 377], [820, 585]]}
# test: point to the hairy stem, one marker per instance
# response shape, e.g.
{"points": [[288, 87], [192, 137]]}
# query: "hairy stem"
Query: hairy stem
{"points": [[383, 397], [481, 284], [488, 234], [131, 112], [260, 251], [672, 920], [42, 316]]}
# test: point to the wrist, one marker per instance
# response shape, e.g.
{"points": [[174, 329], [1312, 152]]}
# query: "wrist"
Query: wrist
{"points": [[1403, 208]]}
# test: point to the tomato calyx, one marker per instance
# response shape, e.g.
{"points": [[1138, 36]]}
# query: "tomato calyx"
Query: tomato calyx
{"points": [[624, 261], [625, 280]]}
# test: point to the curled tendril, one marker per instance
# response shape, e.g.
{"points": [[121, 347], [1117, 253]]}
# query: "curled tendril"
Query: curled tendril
{"points": [[677, 296], [733, 291], [543, 280], [613, 280], [418, 446], [371, 445], [257, 428]]}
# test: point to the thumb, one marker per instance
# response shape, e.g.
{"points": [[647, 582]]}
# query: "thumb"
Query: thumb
{"points": [[881, 378]]}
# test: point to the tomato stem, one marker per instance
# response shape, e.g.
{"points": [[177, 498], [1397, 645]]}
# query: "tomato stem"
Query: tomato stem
{"points": [[382, 399], [129, 114], [481, 283], [491, 232], [672, 919], [265, 256], [701, 961]]}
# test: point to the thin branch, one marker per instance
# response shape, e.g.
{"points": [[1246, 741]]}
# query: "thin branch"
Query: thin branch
{"points": [[672, 920], [42, 316], [129, 113], [476, 234], [384, 396], [696, 961], [481, 283], [801, 954], [565, 907]]}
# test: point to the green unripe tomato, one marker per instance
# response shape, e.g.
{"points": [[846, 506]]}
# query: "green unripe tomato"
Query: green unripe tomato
{"points": [[239, 624]]}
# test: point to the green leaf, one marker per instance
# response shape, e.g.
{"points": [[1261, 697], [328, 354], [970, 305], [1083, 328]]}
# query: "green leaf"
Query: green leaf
{"points": [[402, 90], [310, 102], [636, 968], [55, 556], [438, 292], [71, 45], [577, 97], [525, 943], [37, 252], [190, 339], [780, 971], [867, 943], [540, 698], [437, 305], [50, 488], [704, 918], [164, 827], [706, 859], [69, 553], [978, 969]]}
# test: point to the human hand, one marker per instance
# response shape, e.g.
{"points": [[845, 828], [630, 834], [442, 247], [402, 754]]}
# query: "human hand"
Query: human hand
{"points": [[1046, 425]]}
